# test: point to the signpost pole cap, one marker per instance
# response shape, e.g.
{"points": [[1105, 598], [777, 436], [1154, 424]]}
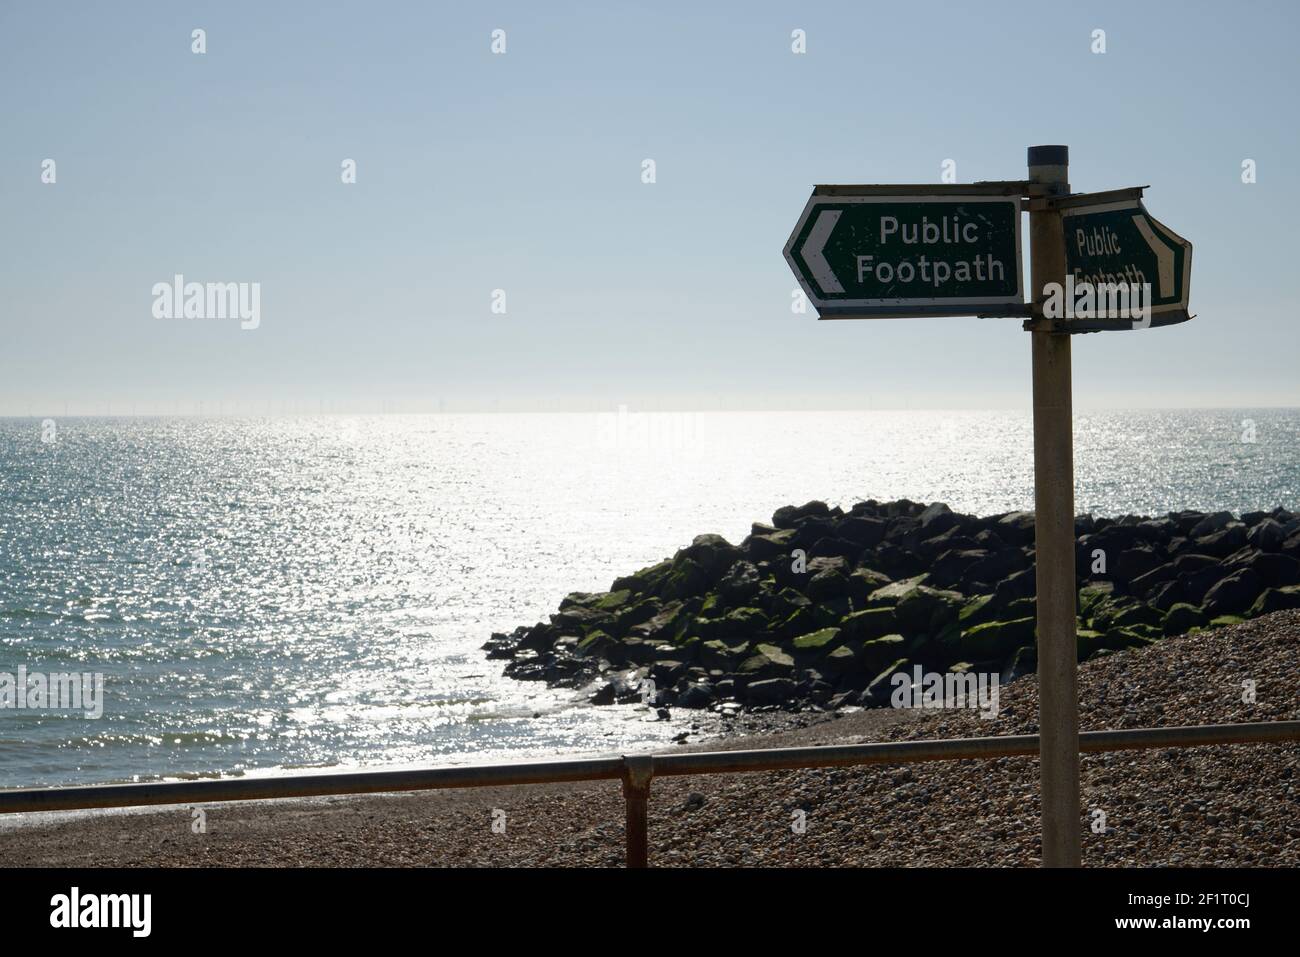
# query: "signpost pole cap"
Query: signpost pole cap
{"points": [[1049, 156]]}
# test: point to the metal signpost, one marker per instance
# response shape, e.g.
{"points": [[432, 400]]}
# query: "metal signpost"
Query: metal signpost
{"points": [[912, 251]]}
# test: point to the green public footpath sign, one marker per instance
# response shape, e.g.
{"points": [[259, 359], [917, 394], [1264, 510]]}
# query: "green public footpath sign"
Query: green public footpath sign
{"points": [[904, 256], [1121, 243]]}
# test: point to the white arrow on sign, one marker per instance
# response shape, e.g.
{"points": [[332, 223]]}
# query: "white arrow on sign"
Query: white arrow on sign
{"points": [[1164, 256], [816, 242]]}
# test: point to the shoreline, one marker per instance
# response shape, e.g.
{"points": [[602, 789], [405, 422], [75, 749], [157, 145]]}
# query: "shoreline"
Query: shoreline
{"points": [[741, 727], [1224, 805], [695, 728]]}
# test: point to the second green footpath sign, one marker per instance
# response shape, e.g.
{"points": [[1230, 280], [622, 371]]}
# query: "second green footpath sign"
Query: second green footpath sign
{"points": [[909, 255], [1120, 242]]}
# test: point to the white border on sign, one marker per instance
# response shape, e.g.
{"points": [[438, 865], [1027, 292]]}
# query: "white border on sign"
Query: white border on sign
{"points": [[1018, 298]]}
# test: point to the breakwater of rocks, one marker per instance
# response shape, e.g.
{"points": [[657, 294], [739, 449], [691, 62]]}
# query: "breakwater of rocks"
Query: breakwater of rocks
{"points": [[822, 607]]}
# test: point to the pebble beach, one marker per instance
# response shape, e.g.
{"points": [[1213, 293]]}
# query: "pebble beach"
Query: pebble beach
{"points": [[1234, 805]]}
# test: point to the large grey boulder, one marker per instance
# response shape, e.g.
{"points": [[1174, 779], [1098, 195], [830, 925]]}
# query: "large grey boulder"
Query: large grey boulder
{"points": [[1233, 594]]}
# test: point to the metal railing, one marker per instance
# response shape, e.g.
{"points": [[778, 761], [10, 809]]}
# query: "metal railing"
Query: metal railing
{"points": [[635, 771]]}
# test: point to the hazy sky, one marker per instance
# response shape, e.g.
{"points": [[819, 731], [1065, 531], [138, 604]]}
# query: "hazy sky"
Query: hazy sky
{"points": [[523, 172]]}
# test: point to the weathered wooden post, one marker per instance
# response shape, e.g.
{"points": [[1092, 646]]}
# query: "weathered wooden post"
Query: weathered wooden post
{"points": [[1058, 698]]}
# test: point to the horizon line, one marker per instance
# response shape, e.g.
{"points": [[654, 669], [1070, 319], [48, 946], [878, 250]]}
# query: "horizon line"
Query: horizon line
{"points": [[622, 408]]}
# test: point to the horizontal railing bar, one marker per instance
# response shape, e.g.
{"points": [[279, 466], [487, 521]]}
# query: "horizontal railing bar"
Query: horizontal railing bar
{"points": [[610, 768], [956, 749], [1190, 736], [306, 785]]}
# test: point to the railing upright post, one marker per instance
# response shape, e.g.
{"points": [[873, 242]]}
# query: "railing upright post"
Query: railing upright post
{"points": [[638, 769]]}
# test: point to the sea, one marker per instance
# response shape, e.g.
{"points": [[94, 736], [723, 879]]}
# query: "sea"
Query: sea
{"points": [[301, 594]]}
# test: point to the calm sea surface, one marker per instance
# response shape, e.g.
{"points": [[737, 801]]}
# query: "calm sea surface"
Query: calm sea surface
{"points": [[266, 594]]}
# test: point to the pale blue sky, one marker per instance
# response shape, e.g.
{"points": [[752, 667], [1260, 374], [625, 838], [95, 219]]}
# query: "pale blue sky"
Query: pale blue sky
{"points": [[522, 172]]}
